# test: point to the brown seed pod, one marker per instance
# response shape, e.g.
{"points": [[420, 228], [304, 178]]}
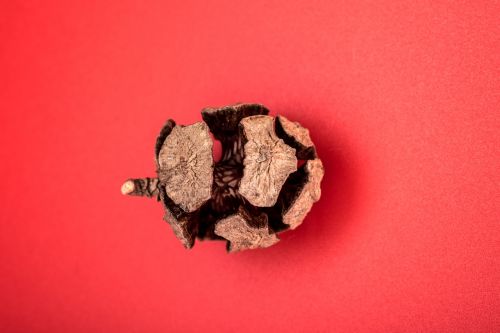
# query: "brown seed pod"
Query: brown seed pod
{"points": [[253, 192]]}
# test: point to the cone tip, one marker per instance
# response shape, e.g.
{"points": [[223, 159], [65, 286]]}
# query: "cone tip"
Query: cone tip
{"points": [[128, 187]]}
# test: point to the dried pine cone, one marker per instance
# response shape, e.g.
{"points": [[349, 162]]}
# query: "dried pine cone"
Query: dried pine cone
{"points": [[253, 192]]}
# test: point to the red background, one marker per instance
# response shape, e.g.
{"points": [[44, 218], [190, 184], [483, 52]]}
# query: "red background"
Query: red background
{"points": [[402, 100]]}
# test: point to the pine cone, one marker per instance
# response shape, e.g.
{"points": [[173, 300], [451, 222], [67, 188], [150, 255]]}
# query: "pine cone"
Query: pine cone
{"points": [[253, 192]]}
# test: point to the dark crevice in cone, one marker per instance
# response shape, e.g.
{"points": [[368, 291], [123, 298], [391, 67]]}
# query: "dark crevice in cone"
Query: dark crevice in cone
{"points": [[165, 131], [227, 176], [306, 196], [289, 192], [223, 122], [207, 222], [184, 225], [295, 136]]}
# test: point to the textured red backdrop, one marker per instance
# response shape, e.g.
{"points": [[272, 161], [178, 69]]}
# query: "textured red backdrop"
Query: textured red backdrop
{"points": [[402, 100]]}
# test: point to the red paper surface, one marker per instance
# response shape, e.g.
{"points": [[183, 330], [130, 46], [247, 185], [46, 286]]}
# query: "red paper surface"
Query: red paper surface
{"points": [[402, 100]]}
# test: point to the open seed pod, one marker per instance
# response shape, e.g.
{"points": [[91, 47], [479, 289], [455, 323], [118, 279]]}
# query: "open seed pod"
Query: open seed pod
{"points": [[257, 188]]}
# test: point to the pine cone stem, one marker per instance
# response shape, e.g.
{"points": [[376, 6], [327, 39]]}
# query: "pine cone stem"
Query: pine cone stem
{"points": [[143, 187]]}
